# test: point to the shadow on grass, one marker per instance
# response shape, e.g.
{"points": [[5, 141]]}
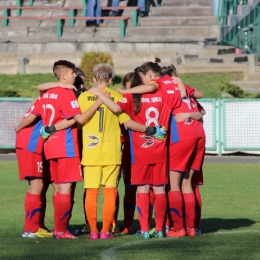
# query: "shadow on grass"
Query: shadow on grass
{"points": [[210, 225]]}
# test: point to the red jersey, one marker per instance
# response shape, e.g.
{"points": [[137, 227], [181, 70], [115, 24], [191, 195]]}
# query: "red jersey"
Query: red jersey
{"points": [[155, 110], [189, 128], [29, 138], [55, 105]]}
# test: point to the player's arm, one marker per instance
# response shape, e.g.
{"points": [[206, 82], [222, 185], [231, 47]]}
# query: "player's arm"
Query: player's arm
{"points": [[25, 122], [139, 89], [181, 87], [48, 85], [114, 107], [184, 116], [158, 132], [86, 115], [197, 93]]}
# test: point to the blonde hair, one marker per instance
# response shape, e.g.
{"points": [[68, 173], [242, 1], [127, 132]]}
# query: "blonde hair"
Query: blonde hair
{"points": [[103, 72]]}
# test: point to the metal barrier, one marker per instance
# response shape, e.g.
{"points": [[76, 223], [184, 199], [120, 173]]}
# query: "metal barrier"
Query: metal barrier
{"points": [[226, 8], [246, 33], [242, 32], [231, 125]]}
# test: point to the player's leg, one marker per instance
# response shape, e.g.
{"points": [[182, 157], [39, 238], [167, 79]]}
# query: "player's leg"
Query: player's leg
{"points": [[175, 201], [140, 177], [46, 183], [86, 228], [30, 168], [160, 178], [198, 208], [63, 198], [129, 202], [92, 176], [180, 154], [197, 179], [189, 202], [109, 182]]}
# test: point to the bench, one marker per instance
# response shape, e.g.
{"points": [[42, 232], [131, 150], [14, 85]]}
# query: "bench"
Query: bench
{"points": [[59, 19], [72, 9]]}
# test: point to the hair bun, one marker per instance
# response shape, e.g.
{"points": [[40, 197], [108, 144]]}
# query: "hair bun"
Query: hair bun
{"points": [[157, 60]]}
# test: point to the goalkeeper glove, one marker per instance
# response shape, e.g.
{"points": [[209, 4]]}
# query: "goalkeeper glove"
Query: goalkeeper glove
{"points": [[46, 131], [158, 132]]}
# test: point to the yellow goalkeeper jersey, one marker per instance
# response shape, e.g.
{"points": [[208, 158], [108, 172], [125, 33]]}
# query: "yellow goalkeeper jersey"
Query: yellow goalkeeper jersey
{"points": [[101, 133]]}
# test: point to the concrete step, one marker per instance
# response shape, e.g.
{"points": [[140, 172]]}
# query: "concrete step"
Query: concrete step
{"points": [[186, 2], [252, 86], [184, 31], [135, 37], [180, 11], [252, 76], [166, 21]]}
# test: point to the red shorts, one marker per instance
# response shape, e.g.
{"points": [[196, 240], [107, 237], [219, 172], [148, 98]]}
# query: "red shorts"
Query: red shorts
{"points": [[32, 165], [187, 154], [197, 178], [198, 156], [65, 170], [153, 174]]}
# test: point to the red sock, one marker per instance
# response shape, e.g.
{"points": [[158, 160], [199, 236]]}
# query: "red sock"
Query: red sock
{"points": [[33, 210], [129, 207], [143, 210], [43, 209], [176, 209], [189, 209], [160, 204], [62, 209], [198, 206], [151, 205]]}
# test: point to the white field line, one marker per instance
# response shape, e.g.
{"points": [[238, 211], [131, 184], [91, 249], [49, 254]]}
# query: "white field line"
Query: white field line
{"points": [[109, 254]]}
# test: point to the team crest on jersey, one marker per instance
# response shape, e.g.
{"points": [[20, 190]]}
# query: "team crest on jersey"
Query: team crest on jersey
{"points": [[95, 141], [74, 104], [149, 141], [188, 121], [123, 100]]}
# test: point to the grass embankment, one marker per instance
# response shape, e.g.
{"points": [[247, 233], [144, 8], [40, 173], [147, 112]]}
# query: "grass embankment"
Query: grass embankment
{"points": [[212, 84]]}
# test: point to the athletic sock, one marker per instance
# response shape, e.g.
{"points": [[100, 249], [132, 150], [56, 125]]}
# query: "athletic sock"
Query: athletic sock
{"points": [[189, 209], [176, 209], [63, 211], [91, 208], [160, 205], [129, 206], [26, 213], [143, 210], [198, 206], [109, 207], [33, 211]]}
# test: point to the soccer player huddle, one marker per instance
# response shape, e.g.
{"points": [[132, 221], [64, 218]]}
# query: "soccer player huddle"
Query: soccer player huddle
{"points": [[150, 133]]}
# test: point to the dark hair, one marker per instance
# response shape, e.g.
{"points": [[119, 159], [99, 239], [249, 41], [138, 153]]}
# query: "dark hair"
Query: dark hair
{"points": [[136, 81], [150, 66], [79, 82], [127, 78], [170, 70], [59, 65]]}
